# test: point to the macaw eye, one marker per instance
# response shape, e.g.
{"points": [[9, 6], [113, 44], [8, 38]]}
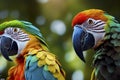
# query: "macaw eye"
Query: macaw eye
{"points": [[15, 30], [90, 21]]}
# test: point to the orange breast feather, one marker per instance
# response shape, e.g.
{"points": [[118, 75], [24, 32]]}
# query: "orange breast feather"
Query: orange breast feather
{"points": [[17, 72]]}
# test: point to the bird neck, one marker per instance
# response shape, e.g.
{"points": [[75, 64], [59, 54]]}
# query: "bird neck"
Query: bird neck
{"points": [[34, 43]]}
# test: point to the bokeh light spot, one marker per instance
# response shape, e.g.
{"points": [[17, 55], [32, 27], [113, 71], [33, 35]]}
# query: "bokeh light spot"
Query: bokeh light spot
{"points": [[58, 27], [69, 57], [77, 75], [40, 20]]}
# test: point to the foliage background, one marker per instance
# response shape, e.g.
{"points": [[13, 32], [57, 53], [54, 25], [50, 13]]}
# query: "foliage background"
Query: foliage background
{"points": [[53, 18]]}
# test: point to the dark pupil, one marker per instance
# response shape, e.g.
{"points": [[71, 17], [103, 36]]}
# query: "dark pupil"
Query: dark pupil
{"points": [[90, 22], [15, 30]]}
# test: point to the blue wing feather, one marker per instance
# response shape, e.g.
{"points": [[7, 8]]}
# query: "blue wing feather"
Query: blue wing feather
{"points": [[48, 75], [34, 72]]}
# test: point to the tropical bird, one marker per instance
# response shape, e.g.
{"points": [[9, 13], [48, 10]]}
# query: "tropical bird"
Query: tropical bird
{"points": [[95, 29], [23, 43]]}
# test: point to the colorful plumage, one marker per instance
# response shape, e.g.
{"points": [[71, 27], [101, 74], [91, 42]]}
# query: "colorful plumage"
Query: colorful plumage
{"points": [[95, 29], [22, 43]]}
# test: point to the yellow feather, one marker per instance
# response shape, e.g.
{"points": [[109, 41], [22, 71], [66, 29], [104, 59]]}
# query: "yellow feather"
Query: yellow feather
{"points": [[93, 75], [41, 63], [45, 58], [41, 55]]}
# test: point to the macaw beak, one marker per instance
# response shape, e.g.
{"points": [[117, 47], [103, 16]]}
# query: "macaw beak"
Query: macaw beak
{"points": [[8, 47], [82, 40]]}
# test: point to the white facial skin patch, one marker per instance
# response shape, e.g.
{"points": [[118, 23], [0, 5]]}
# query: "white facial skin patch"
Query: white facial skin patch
{"points": [[96, 28]]}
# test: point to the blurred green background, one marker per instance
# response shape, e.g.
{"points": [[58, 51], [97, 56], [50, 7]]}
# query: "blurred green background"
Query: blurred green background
{"points": [[53, 18]]}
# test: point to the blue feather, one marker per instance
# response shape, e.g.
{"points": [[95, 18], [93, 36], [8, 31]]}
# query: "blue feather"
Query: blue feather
{"points": [[48, 75], [34, 31], [28, 61], [34, 72]]}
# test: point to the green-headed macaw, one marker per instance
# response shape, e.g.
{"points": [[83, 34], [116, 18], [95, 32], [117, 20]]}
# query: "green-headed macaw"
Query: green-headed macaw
{"points": [[23, 43], [95, 29]]}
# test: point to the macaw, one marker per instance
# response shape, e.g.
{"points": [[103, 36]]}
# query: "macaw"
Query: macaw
{"points": [[23, 43], [95, 29]]}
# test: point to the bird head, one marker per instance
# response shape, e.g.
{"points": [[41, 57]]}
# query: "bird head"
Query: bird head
{"points": [[89, 30], [15, 35]]}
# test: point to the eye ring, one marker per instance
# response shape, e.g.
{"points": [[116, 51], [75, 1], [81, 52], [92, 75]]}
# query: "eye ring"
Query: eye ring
{"points": [[90, 21]]}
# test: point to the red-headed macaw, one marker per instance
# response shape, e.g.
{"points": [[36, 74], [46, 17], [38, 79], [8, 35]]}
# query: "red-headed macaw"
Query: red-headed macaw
{"points": [[23, 43], [95, 29]]}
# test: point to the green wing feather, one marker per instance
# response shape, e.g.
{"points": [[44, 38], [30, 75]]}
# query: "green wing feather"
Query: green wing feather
{"points": [[107, 57]]}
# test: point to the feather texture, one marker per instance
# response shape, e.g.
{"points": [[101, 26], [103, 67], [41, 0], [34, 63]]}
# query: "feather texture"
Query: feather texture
{"points": [[42, 65], [17, 72], [107, 57], [34, 62]]}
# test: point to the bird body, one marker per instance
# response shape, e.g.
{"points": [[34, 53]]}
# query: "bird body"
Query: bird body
{"points": [[26, 47], [106, 59], [101, 32]]}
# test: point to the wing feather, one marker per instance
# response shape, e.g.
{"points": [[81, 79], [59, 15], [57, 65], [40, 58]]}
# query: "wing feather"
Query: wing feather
{"points": [[108, 54], [43, 65]]}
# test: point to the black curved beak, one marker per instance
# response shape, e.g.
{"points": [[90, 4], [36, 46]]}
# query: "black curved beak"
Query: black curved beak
{"points": [[82, 40], [8, 47]]}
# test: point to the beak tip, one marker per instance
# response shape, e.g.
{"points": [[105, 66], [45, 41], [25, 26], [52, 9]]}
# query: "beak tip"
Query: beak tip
{"points": [[9, 59], [6, 57], [79, 52], [81, 56], [83, 59], [8, 47]]}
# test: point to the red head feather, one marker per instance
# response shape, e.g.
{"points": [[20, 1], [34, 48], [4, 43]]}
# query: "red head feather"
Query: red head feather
{"points": [[79, 19], [91, 13], [1, 32]]}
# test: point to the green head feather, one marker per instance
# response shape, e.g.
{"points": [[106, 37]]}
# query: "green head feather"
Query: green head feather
{"points": [[27, 26], [111, 23], [112, 29]]}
